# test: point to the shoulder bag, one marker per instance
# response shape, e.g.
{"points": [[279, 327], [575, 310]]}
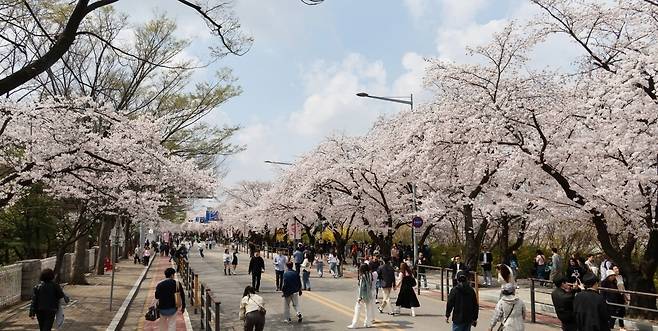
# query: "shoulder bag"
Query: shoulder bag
{"points": [[501, 327], [260, 308], [177, 296]]}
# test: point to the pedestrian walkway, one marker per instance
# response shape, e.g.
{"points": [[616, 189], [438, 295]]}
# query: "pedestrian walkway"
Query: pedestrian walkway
{"points": [[89, 308], [328, 307], [146, 297]]}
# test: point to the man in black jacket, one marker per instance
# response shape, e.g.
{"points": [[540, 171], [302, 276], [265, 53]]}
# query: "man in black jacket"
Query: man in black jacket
{"points": [[590, 308], [456, 266], [463, 302], [386, 274], [45, 300], [165, 293], [563, 297], [256, 268], [486, 259]]}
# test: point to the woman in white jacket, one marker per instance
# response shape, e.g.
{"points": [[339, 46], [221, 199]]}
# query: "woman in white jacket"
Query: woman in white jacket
{"points": [[510, 310]]}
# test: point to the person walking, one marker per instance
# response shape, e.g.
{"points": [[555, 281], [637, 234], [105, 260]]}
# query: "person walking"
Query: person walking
{"points": [[252, 310], [298, 257], [170, 296], [613, 299], [509, 311], [137, 255], [46, 300], [146, 255], [200, 247], [234, 261], [292, 290], [563, 297], [486, 259], [407, 297], [306, 273], [227, 262], [319, 265], [387, 282], [462, 305], [256, 268], [280, 261], [364, 298], [590, 308], [333, 264], [556, 264]]}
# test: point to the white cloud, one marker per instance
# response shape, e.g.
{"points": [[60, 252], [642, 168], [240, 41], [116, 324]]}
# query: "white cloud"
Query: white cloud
{"points": [[451, 43], [455, 13], [416, 7], [331, 104], [412, 80]]}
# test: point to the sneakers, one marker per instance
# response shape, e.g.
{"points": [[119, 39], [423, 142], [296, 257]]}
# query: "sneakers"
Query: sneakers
{"points": [[287, 320], [381, 311], [299, 317], [351, 326]]}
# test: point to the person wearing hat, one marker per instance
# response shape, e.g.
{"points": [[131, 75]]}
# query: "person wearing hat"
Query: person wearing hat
{"points": [[510, 310], [462, 304], [613, 297], [563, 297], [590, 308]]}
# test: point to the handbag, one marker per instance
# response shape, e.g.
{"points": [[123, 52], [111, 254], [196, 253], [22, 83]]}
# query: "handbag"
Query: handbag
{"points": [[152, 314], [501, 327], [177, 296]]}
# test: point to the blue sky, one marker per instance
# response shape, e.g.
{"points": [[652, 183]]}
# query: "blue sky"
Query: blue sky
{"points": [[307, 62]]}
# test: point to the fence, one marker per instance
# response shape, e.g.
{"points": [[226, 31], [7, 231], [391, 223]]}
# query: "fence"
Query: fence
{"points": [[10, 278], [628, 294], [205, 304], [442, 279]]}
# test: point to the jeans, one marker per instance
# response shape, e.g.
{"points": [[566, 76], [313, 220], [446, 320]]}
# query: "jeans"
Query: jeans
{"points": [[279, 279], [46, 318], [320, 269], [333, 268], [487, 277], [168, 319], [461, 326], [255, 280], [294, 299], [306, 281]]}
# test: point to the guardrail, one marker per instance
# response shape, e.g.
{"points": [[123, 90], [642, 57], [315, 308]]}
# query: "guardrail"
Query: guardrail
{"points": [[205, 304], [534, 302], [445, 278]]}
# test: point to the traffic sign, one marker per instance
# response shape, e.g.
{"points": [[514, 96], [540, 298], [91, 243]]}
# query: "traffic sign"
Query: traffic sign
{"points": [[417, 222]]}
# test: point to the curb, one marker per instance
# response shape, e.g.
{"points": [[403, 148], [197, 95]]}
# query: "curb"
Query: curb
{"points": [[122, 313]]}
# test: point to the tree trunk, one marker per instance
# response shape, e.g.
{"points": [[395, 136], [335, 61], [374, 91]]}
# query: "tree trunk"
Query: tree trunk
{"points": [[126, 243], [58, 262], [80, 264], [103, 244]]}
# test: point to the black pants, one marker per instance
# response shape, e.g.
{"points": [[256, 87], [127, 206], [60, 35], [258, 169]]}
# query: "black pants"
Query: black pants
{"points": [[46, 319], [569, 327], [298, 267], [279, 279], [255, 280], [254, 320]]}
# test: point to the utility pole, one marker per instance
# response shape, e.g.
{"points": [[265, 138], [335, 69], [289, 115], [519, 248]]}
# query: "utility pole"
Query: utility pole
{"points": [[413, 228]]}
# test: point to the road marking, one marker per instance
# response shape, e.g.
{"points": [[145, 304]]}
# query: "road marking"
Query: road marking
{"points": [[383, 325]]}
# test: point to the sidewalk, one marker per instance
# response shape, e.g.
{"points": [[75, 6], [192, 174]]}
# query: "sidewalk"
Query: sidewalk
{"points": [[145, 298], [89, 308]]}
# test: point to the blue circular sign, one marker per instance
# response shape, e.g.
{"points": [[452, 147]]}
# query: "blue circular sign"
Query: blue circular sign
{"points": [[417, 222]]}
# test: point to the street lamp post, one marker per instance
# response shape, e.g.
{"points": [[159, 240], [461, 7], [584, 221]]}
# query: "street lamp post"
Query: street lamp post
{"points": [[409, 102], [279, 163]]}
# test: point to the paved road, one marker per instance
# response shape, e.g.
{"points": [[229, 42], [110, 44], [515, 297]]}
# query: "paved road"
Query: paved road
{"points": [[329, 306]]}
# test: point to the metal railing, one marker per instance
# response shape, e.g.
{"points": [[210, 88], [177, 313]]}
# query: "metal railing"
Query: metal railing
{"points": [[534, 301], [205, 304], [445, 278]]}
